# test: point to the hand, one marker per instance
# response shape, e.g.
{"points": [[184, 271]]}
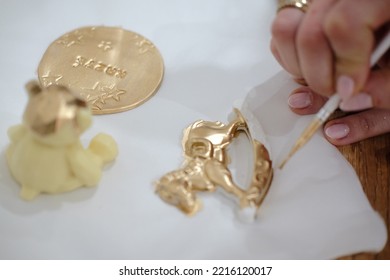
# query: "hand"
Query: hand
{"points": [[345, 130], [330, 47]]}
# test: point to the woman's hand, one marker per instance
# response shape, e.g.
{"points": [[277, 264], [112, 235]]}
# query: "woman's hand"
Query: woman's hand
{"points": [[345, 130], [329, 47]]}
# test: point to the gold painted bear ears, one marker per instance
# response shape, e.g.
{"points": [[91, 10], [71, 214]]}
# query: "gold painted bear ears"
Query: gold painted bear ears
{"points": [[50, 108]]}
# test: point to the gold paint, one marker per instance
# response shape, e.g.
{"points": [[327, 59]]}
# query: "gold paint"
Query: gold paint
{"points": [[99, 66], [76, 37], [303, 139], [205, 146], [50, 79], [112, 58], [105, 45], [51, 108], [107, 92]]}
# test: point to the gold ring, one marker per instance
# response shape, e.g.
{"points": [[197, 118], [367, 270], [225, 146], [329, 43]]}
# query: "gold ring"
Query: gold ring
{"points": [[303, 5]]}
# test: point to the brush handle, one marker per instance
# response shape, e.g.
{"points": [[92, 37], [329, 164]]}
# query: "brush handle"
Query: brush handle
{"points": [[330, 106], [380, 50]]}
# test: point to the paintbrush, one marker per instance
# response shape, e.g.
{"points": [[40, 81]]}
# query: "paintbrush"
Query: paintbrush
{"points": [[331, 105]]}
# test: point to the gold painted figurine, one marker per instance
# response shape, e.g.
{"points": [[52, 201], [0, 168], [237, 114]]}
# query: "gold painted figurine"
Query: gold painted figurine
{"points": [[45, 154], [205, 146]]}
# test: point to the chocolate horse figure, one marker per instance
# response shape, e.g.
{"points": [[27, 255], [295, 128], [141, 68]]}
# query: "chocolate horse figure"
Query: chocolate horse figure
{"points": [[206, 167]]}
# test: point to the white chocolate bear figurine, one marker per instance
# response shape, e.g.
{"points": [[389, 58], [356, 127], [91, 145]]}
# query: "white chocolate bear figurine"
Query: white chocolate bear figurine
{"points": [[45, 154]]}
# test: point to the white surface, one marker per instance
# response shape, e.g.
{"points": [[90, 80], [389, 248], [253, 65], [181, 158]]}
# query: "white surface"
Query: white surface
{"points": [[214, 53]]}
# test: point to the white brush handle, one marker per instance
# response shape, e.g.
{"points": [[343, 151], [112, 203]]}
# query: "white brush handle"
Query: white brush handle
{"points": [[380, 50]]}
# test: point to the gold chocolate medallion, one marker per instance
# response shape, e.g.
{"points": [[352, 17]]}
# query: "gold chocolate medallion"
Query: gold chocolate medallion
{"points": [[112, 69]]}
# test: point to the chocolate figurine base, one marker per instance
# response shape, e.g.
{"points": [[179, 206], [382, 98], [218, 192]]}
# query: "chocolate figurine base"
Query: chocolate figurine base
{"points": [[45, 154]]}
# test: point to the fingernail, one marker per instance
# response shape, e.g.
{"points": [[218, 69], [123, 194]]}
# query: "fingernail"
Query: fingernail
{"points": [[337, 131], [299, 100], [345, 86], [357, 102]]}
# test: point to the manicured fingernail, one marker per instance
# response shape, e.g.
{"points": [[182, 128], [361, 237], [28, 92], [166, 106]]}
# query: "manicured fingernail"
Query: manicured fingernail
{"points": [[357, 102], [345, 87], [337, 131], [299, 100]]}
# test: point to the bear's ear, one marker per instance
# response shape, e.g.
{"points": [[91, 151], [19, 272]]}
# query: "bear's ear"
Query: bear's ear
{"points": [[33, 88]]}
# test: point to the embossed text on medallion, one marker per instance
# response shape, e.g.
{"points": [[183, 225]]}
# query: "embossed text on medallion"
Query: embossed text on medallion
{"points": [[99, 66]]}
